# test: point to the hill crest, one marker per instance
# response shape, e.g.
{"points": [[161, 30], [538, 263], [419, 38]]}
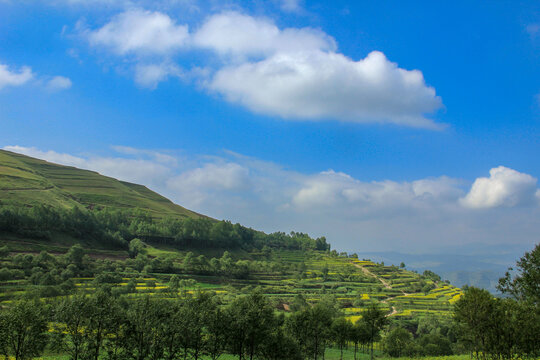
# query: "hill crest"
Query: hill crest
{"points": [[27, 181]]}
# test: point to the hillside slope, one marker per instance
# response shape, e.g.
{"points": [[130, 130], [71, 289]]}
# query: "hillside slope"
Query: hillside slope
{"points": [[26, 181], [226, 258]]}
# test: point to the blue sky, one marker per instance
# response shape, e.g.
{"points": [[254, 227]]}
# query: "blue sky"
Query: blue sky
{"points": [[383, 125]]}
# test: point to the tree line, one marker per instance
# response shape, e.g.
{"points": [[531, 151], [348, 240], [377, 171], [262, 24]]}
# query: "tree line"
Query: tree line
{"points": [[104, 326], [115, 228], [112, 325], [508, 327]]}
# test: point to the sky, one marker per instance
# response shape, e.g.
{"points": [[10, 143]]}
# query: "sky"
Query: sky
{"points": [[382, 125]]}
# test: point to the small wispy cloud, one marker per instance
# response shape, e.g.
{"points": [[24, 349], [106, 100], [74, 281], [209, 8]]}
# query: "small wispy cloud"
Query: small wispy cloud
{"points": [[533, 30], [291, 5], [11, 77], [139, 32], [59, 83]]}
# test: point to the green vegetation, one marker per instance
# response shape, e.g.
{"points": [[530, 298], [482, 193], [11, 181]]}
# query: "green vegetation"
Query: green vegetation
{"points": [[94, 268], [25, 181]]}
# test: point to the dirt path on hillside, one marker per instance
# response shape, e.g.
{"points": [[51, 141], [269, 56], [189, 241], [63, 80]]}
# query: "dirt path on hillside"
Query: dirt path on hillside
{"points": [[386, 284], [369, 273]]}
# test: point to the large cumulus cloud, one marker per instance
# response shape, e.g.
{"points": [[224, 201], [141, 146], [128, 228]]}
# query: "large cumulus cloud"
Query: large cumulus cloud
{"points": [[503, 187], [291, 73], [321, 85]]}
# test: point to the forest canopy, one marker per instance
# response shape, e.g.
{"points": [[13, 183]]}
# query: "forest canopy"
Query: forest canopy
{"points": [[115, 228]]}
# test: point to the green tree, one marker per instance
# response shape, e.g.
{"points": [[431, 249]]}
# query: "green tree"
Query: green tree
{"points": [[397, 341], [324, 272], [75, 255], [311, 327], [525, 286], [4, 251], [70, 325], [173, 335], [136, 247], [434, 345], [359, 335], [197, 310], [3, 334], [341, 333], [299, 303], [144, 322], [252, 320], [374, 320], [473, 314], [174, 283], [280, 346], [102, 320], [215, 324], [25, 330]]}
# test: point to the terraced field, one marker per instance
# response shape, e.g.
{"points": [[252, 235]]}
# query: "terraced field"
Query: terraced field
{"points": [[286, 276], [306, 275]]}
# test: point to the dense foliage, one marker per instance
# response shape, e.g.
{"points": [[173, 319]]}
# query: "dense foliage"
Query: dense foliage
{"points": [[115, 228], [506, 328], [115, 322], [104, 326]]}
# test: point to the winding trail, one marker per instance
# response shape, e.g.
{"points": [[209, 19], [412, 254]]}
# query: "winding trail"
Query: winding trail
{"points": [[386, 284], [369, 273]]}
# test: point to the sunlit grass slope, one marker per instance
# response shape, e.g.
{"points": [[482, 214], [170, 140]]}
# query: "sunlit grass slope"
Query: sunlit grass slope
{"points": [[25, 181]]}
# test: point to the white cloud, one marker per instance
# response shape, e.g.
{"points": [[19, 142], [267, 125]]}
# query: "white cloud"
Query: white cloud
{"points": [[51, 156], [292, 73], [138, 171], [326, 85], [533, 30], [150, 75], [236, 34], [228, 176], [14, 78], [156, 155], [197, 185], [58, 83], [504, 187], [25, 75], [140, 32], [291, 5], [332, 190]]}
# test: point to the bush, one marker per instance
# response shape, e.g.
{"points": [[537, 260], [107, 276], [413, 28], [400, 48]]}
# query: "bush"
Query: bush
{"points": [[108, 278], [5, 274], [50, 291], [4, 251]]}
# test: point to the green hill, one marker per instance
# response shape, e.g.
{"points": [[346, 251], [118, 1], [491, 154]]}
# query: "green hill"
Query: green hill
{"points": [[48, 208], [26, 181], [63, 205]]}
